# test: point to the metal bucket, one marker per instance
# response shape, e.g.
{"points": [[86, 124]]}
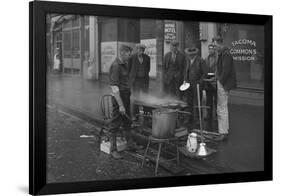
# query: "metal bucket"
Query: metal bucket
{"points": [[164, 122]]}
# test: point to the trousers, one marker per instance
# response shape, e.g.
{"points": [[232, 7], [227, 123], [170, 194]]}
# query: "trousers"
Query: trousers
{"points": [[211, 94], [192, 100], [222, 109], [141, 85], [118, 119], [172, 89]]}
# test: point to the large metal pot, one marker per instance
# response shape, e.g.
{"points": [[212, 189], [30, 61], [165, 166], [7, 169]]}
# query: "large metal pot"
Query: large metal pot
{"points": [[164, 122]]}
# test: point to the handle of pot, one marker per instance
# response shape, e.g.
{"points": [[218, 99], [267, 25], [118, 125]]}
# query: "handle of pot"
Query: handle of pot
{"points": [[145, 115], [184, 112]]}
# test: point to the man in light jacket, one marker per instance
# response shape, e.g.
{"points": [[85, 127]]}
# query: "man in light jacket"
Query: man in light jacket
{"points": [[226, 81]]}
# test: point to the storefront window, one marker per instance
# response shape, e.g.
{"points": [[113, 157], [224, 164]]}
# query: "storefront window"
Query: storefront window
{"points": [[246, 44], [86, 39]]}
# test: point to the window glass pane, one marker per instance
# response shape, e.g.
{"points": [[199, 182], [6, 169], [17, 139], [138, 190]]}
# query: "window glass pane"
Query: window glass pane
{"points": [[67, 44], [76, 22], [75, 44], [67, 24]]}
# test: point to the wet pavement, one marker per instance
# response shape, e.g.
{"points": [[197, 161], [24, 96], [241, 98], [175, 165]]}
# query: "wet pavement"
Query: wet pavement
{"points": [[73, 106], [73, 158]]}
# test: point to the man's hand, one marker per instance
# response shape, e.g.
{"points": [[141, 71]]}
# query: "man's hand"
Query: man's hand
{"points": [[122, 110]]}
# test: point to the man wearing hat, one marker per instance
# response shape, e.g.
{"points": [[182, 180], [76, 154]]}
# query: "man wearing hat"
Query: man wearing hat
{"points": [[194, 74], [119, 82], [139, 64], [210, 82], [226, 81], [173, 66]]}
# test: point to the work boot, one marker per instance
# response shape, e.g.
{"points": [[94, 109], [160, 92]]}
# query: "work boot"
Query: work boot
{"points": [[116, 155], [222, 137], [113, 151], [131, 145]]}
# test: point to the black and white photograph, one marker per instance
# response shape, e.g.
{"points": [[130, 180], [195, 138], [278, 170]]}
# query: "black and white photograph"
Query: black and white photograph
{"points": [[143, 97], [131, 98]]}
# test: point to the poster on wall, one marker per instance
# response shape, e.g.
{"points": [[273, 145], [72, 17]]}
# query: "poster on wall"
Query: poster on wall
{"points": [[170, 34], [108, 55], [151, 52], [170, 31]]}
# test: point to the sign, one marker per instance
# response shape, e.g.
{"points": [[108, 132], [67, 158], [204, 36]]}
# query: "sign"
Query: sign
{"points": [[243, 50], [170, 31], [108, 55], [151, 52]]}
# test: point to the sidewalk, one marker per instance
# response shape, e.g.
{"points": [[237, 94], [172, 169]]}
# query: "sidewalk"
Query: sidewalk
{"points": [[243, 151]]}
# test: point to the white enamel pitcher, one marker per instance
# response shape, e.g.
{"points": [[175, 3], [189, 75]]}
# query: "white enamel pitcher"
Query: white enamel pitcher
{"points": [[192, 143]]}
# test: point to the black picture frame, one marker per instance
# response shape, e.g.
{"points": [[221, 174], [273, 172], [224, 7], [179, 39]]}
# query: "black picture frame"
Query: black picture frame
{"points": [[37, 100]]}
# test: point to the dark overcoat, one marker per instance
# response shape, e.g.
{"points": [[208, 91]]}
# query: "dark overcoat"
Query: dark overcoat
{"points": [[176, 72], [225, 70], [133, 67]]}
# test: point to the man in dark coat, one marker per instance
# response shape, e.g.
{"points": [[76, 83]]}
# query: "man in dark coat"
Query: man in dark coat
{"points": [[139, 64], [210, 83], [173, 67], [194, 73], [226, 81]]}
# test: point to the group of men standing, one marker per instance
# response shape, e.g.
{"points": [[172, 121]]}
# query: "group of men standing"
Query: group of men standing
{"points": [[131, 73], [191, 68]]}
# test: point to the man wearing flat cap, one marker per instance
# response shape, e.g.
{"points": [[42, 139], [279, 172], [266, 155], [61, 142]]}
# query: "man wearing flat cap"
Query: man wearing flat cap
{"points": [[119, 82], [173, 66], [139, 64], [194, 74]]}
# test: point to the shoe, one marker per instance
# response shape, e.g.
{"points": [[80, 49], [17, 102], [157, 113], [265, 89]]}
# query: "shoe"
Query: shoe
{"points": [[221, 137], [133, 147], [116, 155], [134, 118]]}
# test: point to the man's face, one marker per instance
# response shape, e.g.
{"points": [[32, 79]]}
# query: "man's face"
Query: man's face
{"points": [[174, 48], [124, 55], [211, 50], [140, 51], [217, 46]]}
